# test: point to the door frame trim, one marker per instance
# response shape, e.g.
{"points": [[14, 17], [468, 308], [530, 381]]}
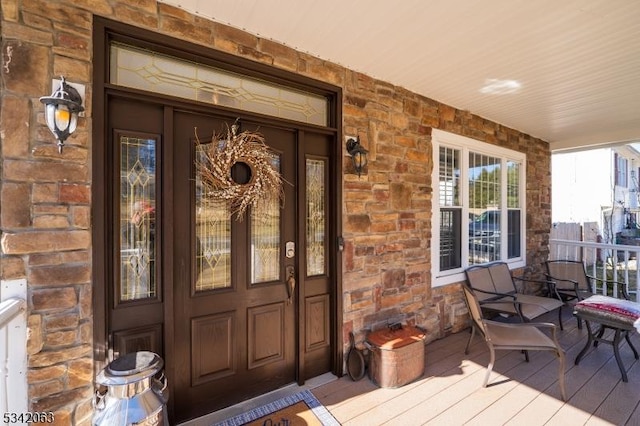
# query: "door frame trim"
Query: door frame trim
{"points": [[105, 31]]}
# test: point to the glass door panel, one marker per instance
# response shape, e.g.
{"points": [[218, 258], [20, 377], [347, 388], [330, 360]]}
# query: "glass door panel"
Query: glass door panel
{"points": [[265, 239], [213, 245], [213, 239]]}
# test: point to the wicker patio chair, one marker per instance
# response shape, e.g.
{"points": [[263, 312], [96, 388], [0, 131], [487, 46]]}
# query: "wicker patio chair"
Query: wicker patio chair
{"points": [[495, 288], [522, 336]]}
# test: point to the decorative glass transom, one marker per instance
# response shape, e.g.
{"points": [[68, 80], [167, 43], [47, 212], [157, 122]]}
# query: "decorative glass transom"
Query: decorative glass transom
{"points": [[154, 72]]}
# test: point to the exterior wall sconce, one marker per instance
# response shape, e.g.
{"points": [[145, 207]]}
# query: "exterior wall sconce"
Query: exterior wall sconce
{"points": [[61, 111], [358, 154]]}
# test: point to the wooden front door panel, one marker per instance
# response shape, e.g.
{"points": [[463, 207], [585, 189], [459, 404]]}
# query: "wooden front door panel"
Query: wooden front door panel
{"points": [[236, 340], [266, 335], [212, 355]]}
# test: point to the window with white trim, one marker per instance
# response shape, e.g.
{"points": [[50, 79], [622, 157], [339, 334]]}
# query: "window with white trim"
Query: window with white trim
{"points": [[621, 170], [478, 205]]}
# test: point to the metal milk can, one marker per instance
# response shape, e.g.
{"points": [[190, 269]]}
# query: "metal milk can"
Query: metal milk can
{"points": [[133, 396]]}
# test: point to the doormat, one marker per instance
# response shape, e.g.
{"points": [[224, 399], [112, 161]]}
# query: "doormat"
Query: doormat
{"points": [[295, 410]]}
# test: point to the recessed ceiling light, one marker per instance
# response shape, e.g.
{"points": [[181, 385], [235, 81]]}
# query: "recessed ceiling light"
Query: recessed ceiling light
{"points": [[493, 86]]}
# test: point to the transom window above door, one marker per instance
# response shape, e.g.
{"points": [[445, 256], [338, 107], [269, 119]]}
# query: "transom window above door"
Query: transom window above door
{"points": [[478, 205], [154, 72]]}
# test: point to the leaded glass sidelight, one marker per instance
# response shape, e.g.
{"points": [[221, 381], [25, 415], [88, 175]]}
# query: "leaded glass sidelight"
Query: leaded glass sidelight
{"points": [[265, 238], [137, 218], [212, 240], [316, 217]]}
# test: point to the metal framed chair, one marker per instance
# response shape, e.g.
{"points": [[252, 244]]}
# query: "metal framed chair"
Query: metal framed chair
{"points": [[495, 288], [521, 336], [571, 281]]}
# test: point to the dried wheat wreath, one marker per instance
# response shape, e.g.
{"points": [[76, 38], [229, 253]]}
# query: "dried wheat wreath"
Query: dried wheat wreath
{"points": [[216, 160]]}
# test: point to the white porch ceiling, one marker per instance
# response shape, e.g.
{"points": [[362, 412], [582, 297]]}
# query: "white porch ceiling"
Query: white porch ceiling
{"points": [[565, 71]]}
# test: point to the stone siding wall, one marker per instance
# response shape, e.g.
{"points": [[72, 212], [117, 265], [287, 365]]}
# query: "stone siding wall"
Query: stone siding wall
{"points": [[387, 214], [45, 198]]}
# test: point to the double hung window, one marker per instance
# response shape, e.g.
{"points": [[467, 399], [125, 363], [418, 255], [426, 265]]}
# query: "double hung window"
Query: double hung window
{"points": [[621, 170], [478, 205]]}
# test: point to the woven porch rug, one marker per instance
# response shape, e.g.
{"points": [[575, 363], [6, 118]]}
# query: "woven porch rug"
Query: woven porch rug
{"points": [[295, 410]]}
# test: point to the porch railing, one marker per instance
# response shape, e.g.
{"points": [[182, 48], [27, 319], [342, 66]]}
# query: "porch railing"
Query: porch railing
{"points": [[13, 347], [613, 262]]}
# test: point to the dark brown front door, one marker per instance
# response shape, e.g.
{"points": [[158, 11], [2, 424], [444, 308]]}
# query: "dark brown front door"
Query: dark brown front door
{"points": [[237, 308], [233, 309]]}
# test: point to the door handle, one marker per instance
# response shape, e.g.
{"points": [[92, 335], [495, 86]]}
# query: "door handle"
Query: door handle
{"points": [[291, 283]]}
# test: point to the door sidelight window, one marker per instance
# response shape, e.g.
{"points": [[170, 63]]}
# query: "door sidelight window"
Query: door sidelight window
{"points": [[137, 218]]}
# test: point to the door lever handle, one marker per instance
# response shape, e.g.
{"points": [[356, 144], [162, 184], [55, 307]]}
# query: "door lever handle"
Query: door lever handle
{"points": [[291, 283]]}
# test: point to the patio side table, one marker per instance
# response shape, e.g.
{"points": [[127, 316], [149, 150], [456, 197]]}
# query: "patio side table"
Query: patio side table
{"points": [[621, 316]]}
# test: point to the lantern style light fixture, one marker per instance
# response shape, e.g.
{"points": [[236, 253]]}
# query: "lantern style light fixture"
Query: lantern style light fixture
{"points": [[61, 111], [358, 154]]}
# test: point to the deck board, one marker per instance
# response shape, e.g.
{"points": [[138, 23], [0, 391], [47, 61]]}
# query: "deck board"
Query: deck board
{"points": [[520, 393], [620, 404]]}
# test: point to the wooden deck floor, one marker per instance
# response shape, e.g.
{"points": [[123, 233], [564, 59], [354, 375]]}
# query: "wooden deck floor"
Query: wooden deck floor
{"points": [[519, 393]]}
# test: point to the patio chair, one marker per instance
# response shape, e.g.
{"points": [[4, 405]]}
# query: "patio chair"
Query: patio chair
{"points": [[495, 288], [571, 281], [521, 336]]}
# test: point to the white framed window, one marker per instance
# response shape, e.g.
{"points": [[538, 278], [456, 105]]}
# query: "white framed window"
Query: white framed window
{"points": [[621, 165], [478, 206]]}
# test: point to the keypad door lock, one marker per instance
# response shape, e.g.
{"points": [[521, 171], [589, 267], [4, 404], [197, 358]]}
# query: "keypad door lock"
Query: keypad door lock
{"points": [[290, 249]]}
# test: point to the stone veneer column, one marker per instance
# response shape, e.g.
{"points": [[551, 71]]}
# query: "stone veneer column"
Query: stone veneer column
{"points": [[45, 199]]}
